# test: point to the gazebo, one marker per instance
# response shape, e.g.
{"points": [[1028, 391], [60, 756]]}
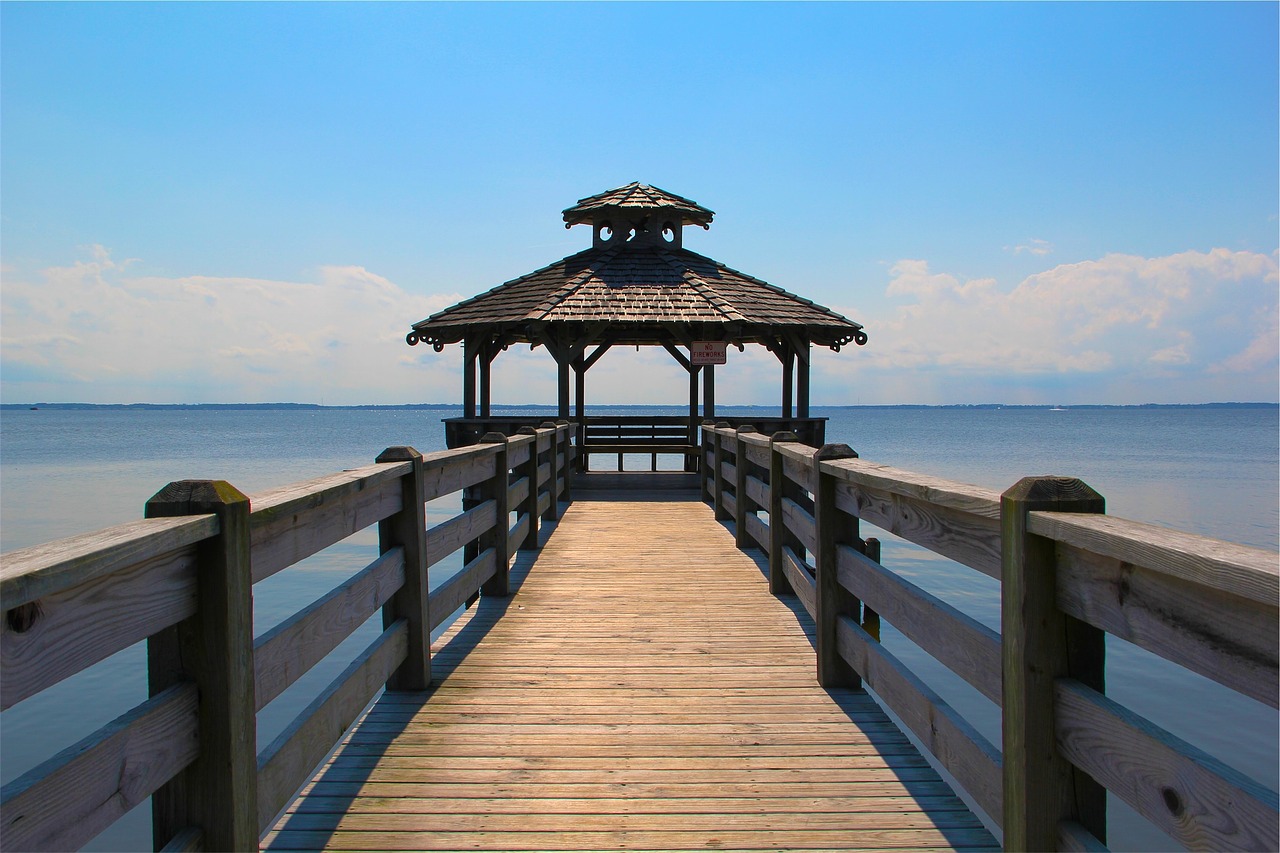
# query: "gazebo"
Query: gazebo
{"points": [[636, 285]]}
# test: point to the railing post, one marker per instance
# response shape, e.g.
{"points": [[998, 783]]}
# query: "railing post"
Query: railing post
{"points": [[565, 439], [496, 489], [407, 529], [740, 536], [831, 528], [778, 538], [870, 618], [721, 513], [530, 542], [553, 506], [1041, 644], [218, 792], [707, 443]]}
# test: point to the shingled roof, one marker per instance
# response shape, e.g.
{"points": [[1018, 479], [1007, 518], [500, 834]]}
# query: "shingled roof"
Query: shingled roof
{"points": [[638, 285], [637, 196]]}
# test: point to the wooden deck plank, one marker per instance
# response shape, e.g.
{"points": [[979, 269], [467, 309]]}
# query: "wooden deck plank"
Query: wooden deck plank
{"points": [[640, 690]]}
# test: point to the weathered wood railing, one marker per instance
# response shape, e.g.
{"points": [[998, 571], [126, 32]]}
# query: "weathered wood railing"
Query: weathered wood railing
{"points": [[181, 579], [1069, 575]]}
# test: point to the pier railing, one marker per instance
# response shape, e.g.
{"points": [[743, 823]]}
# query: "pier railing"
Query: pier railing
{"points": [[181, 580], [1070, 574]]}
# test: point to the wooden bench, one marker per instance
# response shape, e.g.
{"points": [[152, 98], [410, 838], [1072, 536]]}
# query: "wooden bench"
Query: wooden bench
{"points": [[640, 435]]}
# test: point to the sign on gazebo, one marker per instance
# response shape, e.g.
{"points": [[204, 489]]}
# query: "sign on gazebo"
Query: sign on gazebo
{"points": [[708, 352]]}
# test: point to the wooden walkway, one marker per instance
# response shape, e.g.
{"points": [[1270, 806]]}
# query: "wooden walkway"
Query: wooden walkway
{"points": [[641, 690]]}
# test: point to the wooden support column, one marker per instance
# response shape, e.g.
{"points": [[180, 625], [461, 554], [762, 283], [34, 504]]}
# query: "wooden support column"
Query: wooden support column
{"points": [[488, 351], [213, 648], [562, 377], [691, 460], [744, 505], [832, 527], [1040, 644], [580, 409], [470, 351], [496, 489], [709, 391], [802, 379], [788, 358], [778, 535], [407, 529]]}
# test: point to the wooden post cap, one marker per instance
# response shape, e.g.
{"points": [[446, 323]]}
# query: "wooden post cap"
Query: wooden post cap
{"points": [[722, 425], [834, 451], [546, 425], [398, 454], [184, 497], [784, 435], [745, 428], [493, 438], [526, 430], [1048, 491]]}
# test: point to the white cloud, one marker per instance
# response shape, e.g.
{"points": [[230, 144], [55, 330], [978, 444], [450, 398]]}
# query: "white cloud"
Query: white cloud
{"points": [[1034, 246], [1188, 327], [92, 332], [1185, 320]]}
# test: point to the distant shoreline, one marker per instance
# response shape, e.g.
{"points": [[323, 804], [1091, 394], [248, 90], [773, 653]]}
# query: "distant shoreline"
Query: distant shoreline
{"points": [[541, 407]]}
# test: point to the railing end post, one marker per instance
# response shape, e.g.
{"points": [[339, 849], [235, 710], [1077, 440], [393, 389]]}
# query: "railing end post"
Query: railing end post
{"points": [[1040, 644], [213, 648]]}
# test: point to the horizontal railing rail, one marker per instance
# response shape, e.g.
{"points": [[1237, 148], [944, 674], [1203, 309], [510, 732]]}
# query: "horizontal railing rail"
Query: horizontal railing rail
{"points": [[181, 580], [1070, 574]]}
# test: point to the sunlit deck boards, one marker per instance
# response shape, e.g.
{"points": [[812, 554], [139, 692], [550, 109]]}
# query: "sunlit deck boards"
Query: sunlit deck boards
{"points": [[640, 691]]}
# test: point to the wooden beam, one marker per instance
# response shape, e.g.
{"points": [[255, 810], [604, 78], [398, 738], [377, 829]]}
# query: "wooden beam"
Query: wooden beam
{"points": [[579, 347], [595, 356], [677, 355]]}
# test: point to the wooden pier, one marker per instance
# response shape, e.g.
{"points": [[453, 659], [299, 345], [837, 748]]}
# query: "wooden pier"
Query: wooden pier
{"points": [[657, 668], [640, 690]]}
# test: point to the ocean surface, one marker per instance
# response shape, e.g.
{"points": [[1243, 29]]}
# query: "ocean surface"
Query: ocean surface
{"points": [[1209, 470]]}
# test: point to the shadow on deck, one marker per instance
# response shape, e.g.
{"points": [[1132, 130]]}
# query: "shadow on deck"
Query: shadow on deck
{"points": [[640, 689]]}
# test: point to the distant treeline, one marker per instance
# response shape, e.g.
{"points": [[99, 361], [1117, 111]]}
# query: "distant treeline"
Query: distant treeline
{"points": [[538, 407]]}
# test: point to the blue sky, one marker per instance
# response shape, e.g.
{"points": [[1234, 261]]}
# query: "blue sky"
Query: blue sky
{"points": [[1024, 203]]}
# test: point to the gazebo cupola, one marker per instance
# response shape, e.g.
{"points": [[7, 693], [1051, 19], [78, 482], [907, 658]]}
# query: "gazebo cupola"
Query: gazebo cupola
{"points": [[636, 285], [637, 213]]}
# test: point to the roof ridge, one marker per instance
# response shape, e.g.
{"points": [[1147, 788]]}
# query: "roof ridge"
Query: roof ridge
{"points": [[504, 284], [773, 287], [703, 288], [566, 290]]}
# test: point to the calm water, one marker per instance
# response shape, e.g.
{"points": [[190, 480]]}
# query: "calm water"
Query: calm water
{"points": [[1210, 471]]}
